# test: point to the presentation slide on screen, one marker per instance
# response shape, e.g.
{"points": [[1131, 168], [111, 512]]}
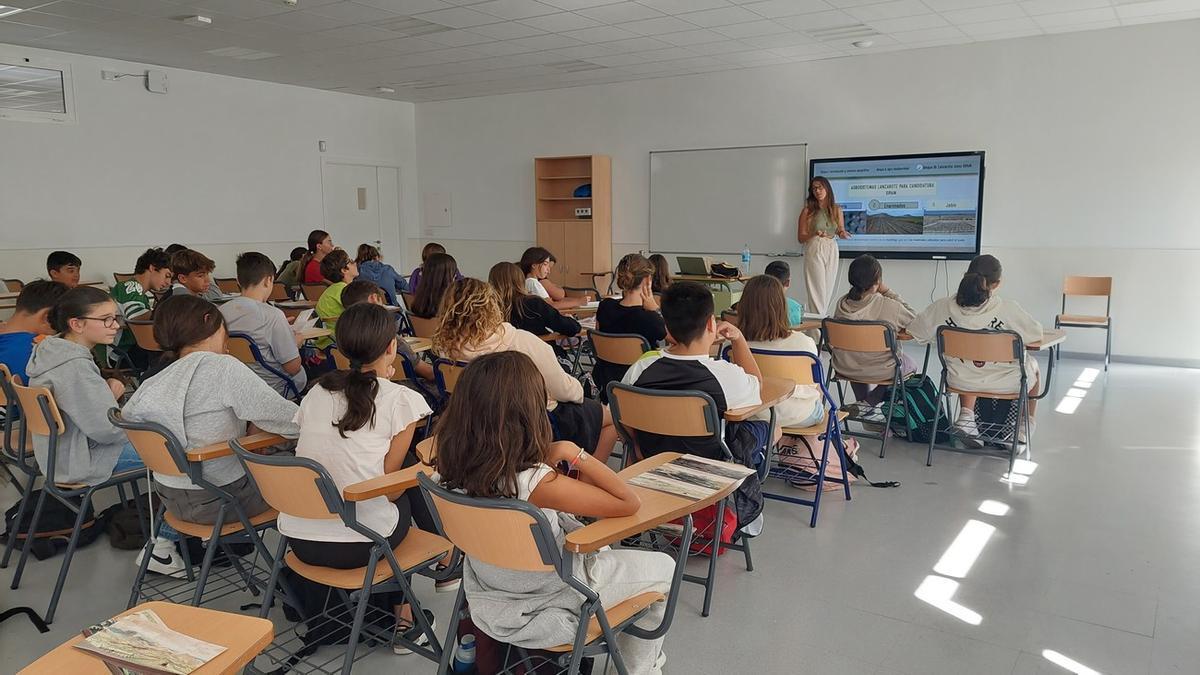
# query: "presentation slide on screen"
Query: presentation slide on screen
{"points": [[920, 205]]}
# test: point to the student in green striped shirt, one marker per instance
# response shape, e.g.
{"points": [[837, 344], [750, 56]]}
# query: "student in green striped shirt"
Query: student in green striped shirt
{"points": [[151, 273]]}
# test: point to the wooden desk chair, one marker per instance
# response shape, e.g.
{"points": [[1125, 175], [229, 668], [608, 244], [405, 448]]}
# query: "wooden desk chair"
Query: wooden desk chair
{"points": [[18, 453], [983, 346], [445, 376], [1095, 287], [40, 413], [312, 291], [143, 334], [423, 327], [408, 299], [679, 414], [163, 454], [843, 337], [303, 488], [589, 294], [228, 285], [279, 293], [121, 277], [730, 316], [404, 368], [243, 347], [804, 368], [515, 535], [14, 285], [618, 350]]}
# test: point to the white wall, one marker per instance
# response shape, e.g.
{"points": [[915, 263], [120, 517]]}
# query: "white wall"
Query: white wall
{"points": [[1091, 142], [219, 163]]}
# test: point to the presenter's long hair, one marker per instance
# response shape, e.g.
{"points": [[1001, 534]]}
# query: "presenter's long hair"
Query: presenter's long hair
{"points": [[814, 205]]}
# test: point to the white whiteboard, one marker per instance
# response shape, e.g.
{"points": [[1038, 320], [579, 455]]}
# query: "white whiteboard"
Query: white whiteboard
{"points": [[721, 199]]}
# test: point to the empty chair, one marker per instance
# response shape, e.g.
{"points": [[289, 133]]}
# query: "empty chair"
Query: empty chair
{"points": [[1094, 287], [312, 292], [423, 327], [14, 285]]}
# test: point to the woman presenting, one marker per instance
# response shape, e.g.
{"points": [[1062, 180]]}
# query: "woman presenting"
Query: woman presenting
{"points": [[821, 224]]}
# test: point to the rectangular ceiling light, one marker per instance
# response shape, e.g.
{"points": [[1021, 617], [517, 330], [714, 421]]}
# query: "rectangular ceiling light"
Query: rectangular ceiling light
{"points": [[5, 10]]}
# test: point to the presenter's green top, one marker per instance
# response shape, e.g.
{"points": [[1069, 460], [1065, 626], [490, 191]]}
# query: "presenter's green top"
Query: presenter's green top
{"points": [[822, 224]]}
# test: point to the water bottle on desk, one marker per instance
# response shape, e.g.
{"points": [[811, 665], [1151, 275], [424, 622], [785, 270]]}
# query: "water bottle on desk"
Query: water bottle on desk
{"points": [[464, 655], [746, 260]]}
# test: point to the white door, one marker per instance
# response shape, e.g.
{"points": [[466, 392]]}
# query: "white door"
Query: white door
{"points": [[362, 202]]}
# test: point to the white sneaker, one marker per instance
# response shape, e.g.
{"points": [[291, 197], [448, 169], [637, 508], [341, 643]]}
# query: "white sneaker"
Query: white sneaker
{"points": [[164, 559], [1022, 436], [414, 633], [966, 430]]}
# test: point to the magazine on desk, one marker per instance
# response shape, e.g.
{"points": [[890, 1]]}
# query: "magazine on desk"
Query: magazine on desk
{"points": [[692, 477], [141, 643]]}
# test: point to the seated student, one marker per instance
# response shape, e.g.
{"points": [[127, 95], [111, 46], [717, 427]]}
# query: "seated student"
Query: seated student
{"points": [[781, 271], [151, 274], [536, 264], [496, 443], [63, 267], [265, 324], [439, 272], [193, 275], [205, 396], [90, 449], [662, 273], [372, 268], [28, 323], [172, 249], [472, 325], [763, 320], [339, 270], [976, 306], [320, 244], [524, 311], [359, 425], [870, 300], [430, 249], [635, 312], [289, 271], [359, 291]]}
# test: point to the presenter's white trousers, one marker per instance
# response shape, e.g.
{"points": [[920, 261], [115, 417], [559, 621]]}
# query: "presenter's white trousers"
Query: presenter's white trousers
{"points": [[820, 273]]}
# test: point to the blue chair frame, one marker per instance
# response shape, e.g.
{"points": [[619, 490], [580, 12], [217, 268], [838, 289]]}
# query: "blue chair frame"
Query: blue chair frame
{"points": [[288, 382]]}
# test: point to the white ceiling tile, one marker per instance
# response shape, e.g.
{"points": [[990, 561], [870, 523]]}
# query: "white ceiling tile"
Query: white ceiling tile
{"points": [[947, 5], [409, 45], [692, 37], [888, 10], [155, 8], [643, 57], [548, 41], [1036, 7], [508, 30], [458, 17], [515, 9], [681, 6], [928, 34], [726, 47], [600, 34], [720, 17], [819, 20], [561, 22], [246, 9], [500, 48], [657, 26], [349, 35], [806, 50], [31, 4], [959, 17], [304, 21], [405, 7], [637, 44], [19, 32], [584, 51], [1157, 7], [60, 24], [351, 12], [788, 39], [774, 9], [907, 23], [1156, 18], [1018, 25], [753, 58], [620, 12], [457, 38], [572, 5], [1081, 16], [1079, 27], [752, 28], [79, 10]]}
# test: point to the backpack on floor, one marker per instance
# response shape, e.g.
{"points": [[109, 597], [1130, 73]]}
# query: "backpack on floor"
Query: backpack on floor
{"points": [[996, 417], [916, 404], [54, 526]]}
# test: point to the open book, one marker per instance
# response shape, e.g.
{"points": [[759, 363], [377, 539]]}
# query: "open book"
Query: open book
{"points": [[692, 477], [141, 643]]}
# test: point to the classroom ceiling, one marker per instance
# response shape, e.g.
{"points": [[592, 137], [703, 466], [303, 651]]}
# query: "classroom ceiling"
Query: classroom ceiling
{"points": [[429, 50]]}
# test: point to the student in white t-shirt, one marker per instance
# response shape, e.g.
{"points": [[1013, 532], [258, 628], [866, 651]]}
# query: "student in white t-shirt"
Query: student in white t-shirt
{"points": [[536, 263], [493, 442], [359, 425], [976, 306]]}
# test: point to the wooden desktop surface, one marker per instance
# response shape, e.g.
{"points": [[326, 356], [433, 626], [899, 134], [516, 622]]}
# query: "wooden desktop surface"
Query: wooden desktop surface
{"points": [[1051, 337], [772, 391], [707, 279], [243, 637], [314, 333], [419, 344]]}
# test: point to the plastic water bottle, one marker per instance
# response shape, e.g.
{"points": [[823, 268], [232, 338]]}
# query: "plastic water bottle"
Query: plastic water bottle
{"points": [[746, 260], [464, 656]]}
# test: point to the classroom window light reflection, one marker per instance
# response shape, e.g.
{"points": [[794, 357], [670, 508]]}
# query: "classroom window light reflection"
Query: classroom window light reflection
{"points": [[1024, 467], [1070, 401], [939, 592], [1067, 663], [958, 559], [1089, 374], [993, 508], [1014, 478]]}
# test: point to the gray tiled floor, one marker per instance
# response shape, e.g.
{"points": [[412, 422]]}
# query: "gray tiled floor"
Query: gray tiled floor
{"points": [[1095, 559]]}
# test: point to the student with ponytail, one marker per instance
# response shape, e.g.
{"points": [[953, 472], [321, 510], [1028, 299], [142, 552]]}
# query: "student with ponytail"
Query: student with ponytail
{"points": [[320, 244], [976, 306], [90, 449], [359, 425], [870, 299], [204, 396]]}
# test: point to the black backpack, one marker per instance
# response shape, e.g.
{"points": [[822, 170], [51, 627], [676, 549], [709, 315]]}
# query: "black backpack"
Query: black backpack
{"points": [[916, 404], [54, 526]]}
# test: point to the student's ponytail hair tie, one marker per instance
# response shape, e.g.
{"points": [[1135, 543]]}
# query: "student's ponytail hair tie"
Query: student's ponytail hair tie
{"points": [[356, 364]]}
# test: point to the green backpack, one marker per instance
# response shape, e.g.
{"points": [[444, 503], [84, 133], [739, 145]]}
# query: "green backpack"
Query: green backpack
{"points": [[916, 405]]}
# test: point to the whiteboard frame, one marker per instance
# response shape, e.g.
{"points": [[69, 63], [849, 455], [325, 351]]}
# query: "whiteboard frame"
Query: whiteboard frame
{"points": [[650, 180]]}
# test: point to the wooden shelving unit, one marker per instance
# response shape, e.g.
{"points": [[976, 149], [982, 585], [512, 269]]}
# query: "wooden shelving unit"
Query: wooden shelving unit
{"points": [[581, 245]]}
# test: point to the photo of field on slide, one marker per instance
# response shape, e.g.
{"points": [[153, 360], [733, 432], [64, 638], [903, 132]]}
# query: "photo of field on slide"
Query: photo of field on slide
{"points": [[950, 223]]}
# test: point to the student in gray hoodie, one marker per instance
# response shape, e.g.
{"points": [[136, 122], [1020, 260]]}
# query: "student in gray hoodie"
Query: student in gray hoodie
{"points": [[206, 396], [870, 299], [90, 449]]}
